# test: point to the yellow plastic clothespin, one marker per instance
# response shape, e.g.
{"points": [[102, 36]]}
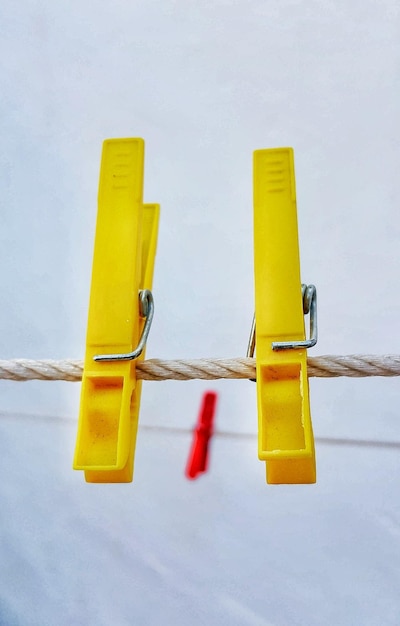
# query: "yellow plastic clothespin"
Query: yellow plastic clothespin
{"points": [[120, 314], [285, 436]]}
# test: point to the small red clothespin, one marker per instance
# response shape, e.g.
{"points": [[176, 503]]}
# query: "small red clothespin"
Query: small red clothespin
{"points": [[202, 433]]}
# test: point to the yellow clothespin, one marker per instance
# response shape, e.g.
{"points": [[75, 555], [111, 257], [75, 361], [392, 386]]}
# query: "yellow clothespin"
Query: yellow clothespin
{"points": [[285, 436], [120, 314]]}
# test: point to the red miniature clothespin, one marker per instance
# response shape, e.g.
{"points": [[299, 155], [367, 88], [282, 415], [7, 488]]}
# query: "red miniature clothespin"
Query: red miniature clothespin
{"points": [[202, 433]]}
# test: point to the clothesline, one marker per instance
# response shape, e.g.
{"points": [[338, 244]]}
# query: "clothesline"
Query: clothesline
{"points": [[236, 435], [326, 366]]}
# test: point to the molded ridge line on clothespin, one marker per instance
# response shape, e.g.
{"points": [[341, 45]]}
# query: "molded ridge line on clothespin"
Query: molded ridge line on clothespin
{"points": [[123, 264], [199, 452], [285, 436]]}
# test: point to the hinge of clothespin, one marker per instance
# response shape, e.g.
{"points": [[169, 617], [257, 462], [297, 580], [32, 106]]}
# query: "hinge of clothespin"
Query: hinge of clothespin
{"points": [[285, 436], [120, 314]]}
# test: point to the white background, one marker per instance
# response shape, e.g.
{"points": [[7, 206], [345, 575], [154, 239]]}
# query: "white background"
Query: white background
{"points": [[204, 83]]}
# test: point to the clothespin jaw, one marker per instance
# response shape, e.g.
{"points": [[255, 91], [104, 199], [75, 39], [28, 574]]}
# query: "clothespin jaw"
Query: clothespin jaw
{"points": [[285, 436], [199, 453], [123, 264]]}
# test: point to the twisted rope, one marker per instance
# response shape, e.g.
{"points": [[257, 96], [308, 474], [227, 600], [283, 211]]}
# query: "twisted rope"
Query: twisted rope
{"points": [[355, 366]]}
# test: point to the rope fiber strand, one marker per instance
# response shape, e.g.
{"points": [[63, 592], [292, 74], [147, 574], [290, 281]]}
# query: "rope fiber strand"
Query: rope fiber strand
{"points": [[328, 366]]}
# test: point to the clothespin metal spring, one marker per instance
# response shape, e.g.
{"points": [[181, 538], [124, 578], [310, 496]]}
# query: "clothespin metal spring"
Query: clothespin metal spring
{"points": [[309, 296], [146, 310]]}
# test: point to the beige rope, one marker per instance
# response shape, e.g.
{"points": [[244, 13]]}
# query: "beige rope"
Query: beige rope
{"points": [[356, 366]]}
